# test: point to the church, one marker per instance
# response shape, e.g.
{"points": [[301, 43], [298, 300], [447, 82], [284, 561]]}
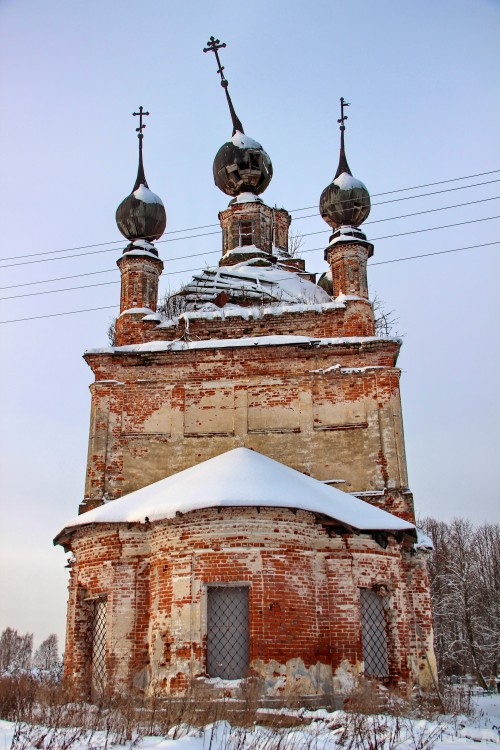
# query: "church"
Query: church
{"points": [[247, 513]]}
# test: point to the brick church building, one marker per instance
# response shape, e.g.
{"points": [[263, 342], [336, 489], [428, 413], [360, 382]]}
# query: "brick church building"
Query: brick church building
{"points": [[246, 509]]}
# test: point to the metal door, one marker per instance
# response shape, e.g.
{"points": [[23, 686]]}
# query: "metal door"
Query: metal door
{"points": [[374, 633], [227, 632]]}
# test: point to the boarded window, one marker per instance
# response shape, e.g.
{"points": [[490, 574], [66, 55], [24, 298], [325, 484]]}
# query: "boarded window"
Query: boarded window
{"points": [[374, 633], [227, 632], [99, 672], [246, 233]]}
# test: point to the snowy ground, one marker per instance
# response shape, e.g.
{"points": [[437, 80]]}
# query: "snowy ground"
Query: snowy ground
{"points": [[324, 731]]}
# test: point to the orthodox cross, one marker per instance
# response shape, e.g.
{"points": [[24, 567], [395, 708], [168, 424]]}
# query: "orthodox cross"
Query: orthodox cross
{"points": [[140, 114], [343, 117], [141, 177], [214, 45]]}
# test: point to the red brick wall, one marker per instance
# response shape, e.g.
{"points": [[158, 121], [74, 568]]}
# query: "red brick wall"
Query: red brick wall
{"points": [[305, 628], [143, 426]]}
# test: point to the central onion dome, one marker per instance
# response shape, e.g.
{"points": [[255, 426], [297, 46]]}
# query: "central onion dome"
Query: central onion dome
{"points": [[141, 215], [345, 201], [241, 165]]}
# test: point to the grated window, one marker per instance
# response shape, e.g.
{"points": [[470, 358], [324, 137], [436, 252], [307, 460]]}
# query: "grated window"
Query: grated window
{"points": [[227, 632], [374, 633], [99, 673]]}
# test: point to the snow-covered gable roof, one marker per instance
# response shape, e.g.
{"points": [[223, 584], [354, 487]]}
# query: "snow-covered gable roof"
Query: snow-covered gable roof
{"points": [[240, 477]]}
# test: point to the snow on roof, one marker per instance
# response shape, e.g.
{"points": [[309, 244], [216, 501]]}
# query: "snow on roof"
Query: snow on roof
{"points": [[146, 195], [143, 244], [137, 310], [247, 198], [347, 233], [179, 345], [239, 477], [209, 311], [346, 181], [243, 141], [139, 254], [263, 283], [244, 250], [339, 368], [423, 540]]}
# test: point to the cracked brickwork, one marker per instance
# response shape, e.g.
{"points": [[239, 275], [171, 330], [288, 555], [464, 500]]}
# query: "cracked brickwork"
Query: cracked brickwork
{"points": [[329, 409]]}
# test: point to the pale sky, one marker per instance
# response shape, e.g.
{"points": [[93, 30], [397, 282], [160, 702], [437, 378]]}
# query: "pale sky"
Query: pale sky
{"points": [[422, 79]]}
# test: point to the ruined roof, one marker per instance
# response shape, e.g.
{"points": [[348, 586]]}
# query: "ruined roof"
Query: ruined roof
{"points": [[239, 477], [254, 282]]}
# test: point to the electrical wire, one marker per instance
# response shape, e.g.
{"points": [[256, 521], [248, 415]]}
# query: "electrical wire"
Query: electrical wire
{"points": [[114, 270], [379, 263], [207, 226], [376, 239], [107, 250]]}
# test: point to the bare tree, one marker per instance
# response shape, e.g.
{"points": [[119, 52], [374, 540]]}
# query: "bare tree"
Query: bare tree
{"points": [[15, 650], [465, 588], [112, 332], [385, 320], [47, 654], [295, 242], [172, 304]]}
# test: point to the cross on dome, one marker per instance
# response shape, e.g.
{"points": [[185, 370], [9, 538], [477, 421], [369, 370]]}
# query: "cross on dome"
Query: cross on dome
{"points": [[343, 117], [241, 165], [140, 114], [141, 215], [346, 201], [214, 45]]}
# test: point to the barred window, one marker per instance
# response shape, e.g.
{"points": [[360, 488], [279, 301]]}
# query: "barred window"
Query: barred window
{"points": [[227, 632], [99, 671], [373, 626]]}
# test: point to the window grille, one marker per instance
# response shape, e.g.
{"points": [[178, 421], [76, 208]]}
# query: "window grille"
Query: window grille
{"points": [[99, 673], [227, 632], [373, 628]]}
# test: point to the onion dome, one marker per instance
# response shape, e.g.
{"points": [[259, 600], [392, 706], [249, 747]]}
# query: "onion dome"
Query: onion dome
{"points": [[241, 165], [345, 201], [141, 216]]}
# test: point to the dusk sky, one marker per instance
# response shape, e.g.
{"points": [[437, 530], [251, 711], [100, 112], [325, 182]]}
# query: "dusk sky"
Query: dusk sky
{"points": [[422, 79]]}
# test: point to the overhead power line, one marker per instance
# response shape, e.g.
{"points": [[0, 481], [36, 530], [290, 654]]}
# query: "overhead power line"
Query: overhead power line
{"points": [[107, 250], [208, 226], [212, 252], [114, 270], [310, 250], [379, 263]]}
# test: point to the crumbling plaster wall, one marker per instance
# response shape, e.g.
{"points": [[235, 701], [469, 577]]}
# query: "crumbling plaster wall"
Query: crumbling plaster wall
{"points": [[304, 582], [332, 412]]}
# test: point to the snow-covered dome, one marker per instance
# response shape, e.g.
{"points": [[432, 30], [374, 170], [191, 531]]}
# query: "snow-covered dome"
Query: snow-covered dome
{"points": [[141, 215], [242, 166], [345, 200]]}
